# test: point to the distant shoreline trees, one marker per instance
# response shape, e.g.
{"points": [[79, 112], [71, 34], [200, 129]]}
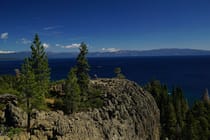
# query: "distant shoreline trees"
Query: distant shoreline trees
{"points": [[178, 121]]}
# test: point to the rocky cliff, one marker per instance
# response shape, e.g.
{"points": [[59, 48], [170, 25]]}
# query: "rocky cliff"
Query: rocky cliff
{"points": [[129, 113]]}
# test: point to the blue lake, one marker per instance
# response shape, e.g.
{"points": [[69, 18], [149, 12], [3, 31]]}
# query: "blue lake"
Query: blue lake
{"points": [[191, 73]]}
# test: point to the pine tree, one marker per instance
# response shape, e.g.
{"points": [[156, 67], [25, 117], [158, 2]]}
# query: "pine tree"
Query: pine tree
{"points": [[72, 91], [82, 71], [171, 121], [198, 122], [160, 93], [180, 106], [28, 89], [34, 79], [39, 64], [190, 130]]}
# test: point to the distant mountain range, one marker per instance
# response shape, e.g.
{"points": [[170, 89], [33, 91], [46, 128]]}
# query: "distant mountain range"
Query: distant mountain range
{"points": [[121, 53]]}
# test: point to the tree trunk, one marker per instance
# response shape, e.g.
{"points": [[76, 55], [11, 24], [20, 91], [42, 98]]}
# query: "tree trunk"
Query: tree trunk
{"points": [[29, 115]]}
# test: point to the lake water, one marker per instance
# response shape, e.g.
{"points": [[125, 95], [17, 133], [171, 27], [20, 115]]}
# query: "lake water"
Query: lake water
{"points": [[191, 73]]}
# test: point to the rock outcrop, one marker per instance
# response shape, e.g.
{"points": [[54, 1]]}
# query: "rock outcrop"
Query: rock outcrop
{"points": [[129, 113], [15, 116], [6, 98]]}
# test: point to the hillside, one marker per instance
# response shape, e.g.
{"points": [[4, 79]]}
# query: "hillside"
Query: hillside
{"points": [[120, 53], [129, 113]]}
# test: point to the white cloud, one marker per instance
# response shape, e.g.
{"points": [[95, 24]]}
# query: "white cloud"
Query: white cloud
{"points": [[4, 35], [72, 46], [110, 49], [6, 52], [58, 45], [45, 45], [52, 27], [25, 41]]}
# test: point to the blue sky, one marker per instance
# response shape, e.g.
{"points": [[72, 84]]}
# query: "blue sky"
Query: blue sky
{"points": [[105, 25]]}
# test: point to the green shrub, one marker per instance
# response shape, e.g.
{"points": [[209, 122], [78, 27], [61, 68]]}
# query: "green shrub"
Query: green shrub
{"points": [[94, 99], [13, 131], [9, 91]]}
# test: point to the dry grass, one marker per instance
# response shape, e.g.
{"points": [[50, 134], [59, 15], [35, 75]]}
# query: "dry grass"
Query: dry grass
{"points": [[50, 100]]}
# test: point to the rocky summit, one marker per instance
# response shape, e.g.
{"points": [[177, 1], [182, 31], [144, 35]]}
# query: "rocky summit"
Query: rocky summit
{"points": [[129, 113]]}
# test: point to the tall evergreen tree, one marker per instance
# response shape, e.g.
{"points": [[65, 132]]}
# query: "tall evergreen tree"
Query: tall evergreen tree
{"points": [[83, 70], [28, 90], [190, 131], [180, 106], [173, 108], [39, 64], [34, 79], [72, 91], [170, 121], [198, 122]]}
